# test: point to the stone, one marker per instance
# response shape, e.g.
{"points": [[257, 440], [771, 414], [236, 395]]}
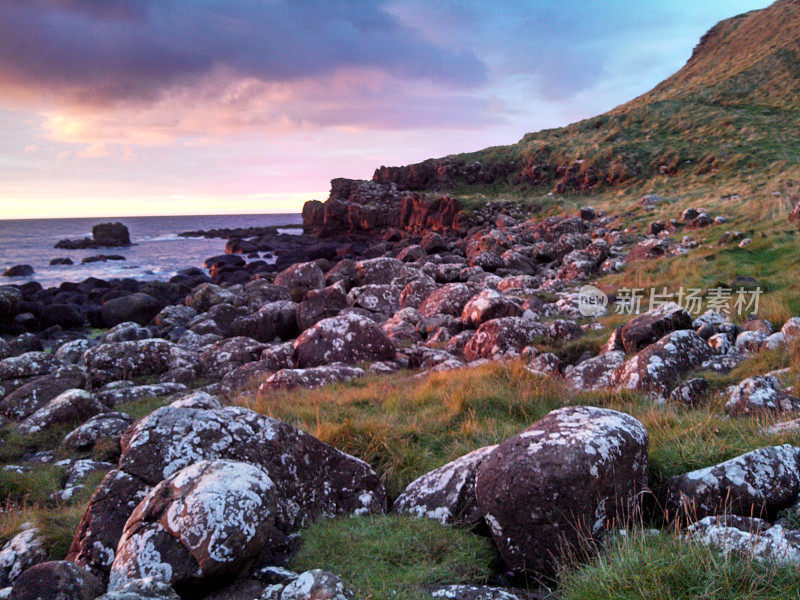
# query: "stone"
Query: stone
{"points": [[301, 278], [71, 352], [105, 427], [379, 271], [18, 271], [56, 580], [594, 373], [475, 592], [760, 394], [749, 341], [142, 589], [10, 300], [122, 360], [749, 538], [127, 331], [20, 553], [487, 305], [204, 521], [29, 364], [415, 292], [138, 307], [347, 338], [71, 406], [791, 329], [225, 355], [312, 377], [446, 494], [28, 398], [450, 299], [320, 304], [316, 585], [568, 477], [643, 330], [758, 483], [503, 337], [690, 393], [384, 299], [206, 295]]}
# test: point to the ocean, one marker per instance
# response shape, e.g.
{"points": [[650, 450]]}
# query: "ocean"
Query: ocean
{"points": [[158, 252]]}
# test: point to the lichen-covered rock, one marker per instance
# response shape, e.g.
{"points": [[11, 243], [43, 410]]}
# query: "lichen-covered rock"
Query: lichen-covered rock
{"points": [[544, 364], [27, 399], [690, 392], [754, 484], [222, 357], [402, 327], [347, 338], [320, 304], [447, 300], [206, 295], [10, 300], [29, 364], [760, 394], [643, 330], [207, 520], [474, 592], [114, 396], [124, 360], [487, 305], [415, 292], [503, 337], [142, 589], [749, 341], [594, 373], [748, 537], [103, 427], [379, 271], [56, 580], [71, 406], [446, 494], [316, 585], [657, 369], [100, 529], [791, 329], [312, 377], [301, 278], [127, 331], [568, 477], [380, 298], [174, 316], [71, 352], [20, 553]]}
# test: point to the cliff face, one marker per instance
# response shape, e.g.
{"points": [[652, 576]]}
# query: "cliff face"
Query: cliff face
{"points": [[733, 109], [369, 207]]}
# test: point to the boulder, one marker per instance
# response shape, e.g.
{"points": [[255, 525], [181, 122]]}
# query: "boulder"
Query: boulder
{"points": [[128, 331], [10, 301], [105, 427], [349, 338], [301, 278], [20, 553], [139, 308], [561, 482], [18, 271], [226, 355], [123, 360], [790, 329], [274, 319], [594, 373], [749, 538], [205, 521], [758, 483], [447, 300], [316, 585], [760, 394], [70, 407], [690, 392], [320, 304], [643, 330], [72, 352], [132, 393], [173, 317], [658, 368], [142, 589], [415, 292], [206, 295], [379, 271], [476, 592], [27, 399], [312, 377], [29, 364], [56, 580], [379, 298], [487, 305], [446, 494], [111, 234], [749, 341], [503, 337]]}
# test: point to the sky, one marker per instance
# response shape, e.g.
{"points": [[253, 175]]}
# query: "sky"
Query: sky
{"points": [[148, 107]]}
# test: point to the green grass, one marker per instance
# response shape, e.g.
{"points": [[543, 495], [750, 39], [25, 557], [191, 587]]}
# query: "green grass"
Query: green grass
{"points": [[391, 557], [406, 427], [662, 567]]}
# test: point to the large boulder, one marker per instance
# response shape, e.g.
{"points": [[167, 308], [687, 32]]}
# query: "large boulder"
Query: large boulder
{"points": [[349, 338], [758, 483], [312, 479], [27, 399], [643, 330], [139, 308], [20, 553], [111, 234], [594, 373], [10, 301], [316, 585], [226, 355], [446, 494], [312, 377], [503, 337], [206, 295], [561, 482], [56, 580], [658, 368], [29, 364], [202, 523], [384, 299], [105, 427], [124, 360], [748, 538], [379, 271], [320, 304], [447, 300]]}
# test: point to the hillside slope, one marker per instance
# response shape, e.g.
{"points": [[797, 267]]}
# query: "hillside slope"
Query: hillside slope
{"points": [[730, 113]]}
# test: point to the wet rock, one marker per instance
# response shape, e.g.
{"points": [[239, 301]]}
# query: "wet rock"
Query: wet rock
{"points": [[204, 521], [758, 483], [643, 330], [312, 377], [568, 477], [56, 580], [18, 271], [71, 406], [760, 394], [347, 338], [503, 337], [446, 494], [657, 369]]}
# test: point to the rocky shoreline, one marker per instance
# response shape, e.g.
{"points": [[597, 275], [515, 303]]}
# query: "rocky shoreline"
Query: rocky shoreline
{"points": [[383, 281]]}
